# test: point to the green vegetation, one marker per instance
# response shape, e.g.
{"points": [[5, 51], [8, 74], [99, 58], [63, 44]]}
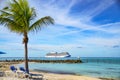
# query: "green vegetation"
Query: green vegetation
{"points": [[18, 17]]}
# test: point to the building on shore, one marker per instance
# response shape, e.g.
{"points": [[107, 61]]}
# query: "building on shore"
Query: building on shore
{"points": [[59, 55]]}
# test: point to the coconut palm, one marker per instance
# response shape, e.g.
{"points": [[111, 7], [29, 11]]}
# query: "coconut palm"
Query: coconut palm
{"points": [[20, 18]]}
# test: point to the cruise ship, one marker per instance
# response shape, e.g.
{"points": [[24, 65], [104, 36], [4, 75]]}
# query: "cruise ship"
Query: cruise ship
{"points": [[55, 54]]}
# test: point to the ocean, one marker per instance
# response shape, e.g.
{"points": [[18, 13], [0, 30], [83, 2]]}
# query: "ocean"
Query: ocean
{"points": [[101, 67]]}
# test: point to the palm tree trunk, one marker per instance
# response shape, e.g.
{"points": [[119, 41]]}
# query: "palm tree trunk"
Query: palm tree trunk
{"points": [[25, 41], [26, 58]]}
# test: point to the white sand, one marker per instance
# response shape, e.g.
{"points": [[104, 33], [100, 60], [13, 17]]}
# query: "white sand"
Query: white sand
{"points": [[52, 76]]}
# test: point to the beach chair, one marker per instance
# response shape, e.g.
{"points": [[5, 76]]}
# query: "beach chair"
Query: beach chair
{"points": [[14, 70], [30, 75]]}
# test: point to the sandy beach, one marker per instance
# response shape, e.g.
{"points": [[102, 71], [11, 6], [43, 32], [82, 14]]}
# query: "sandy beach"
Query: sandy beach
{"points": [[52, 76]]}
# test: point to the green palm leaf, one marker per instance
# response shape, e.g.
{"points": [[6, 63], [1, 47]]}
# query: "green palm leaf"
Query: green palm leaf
{"points": [[40, 23]]}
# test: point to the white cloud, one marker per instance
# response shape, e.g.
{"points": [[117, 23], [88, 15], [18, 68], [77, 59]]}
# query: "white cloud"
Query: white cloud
{"points": [[63, 18], [11, 46], [97, 9], [100, 41], [47, 47], [111, 27]]}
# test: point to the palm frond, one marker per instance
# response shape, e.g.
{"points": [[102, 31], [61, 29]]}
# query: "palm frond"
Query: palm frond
{"points": [[11, 25], [5, 13], [19, 14], [45, 21], [5, 8], [32, 14]]}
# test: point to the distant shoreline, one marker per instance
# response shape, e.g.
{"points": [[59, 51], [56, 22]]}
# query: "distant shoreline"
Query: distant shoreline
{"points": [[114, 60], [46, 61]]}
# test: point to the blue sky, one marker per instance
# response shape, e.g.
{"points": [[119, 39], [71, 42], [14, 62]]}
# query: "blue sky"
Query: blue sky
{"points": [[85, 28]]}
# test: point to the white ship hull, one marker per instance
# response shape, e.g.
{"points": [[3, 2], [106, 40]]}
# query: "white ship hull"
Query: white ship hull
{"points": [[57, 56]]}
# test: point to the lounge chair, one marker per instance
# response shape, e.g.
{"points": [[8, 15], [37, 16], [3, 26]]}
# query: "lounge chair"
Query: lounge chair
{"points": [[30, 75], [14, 70], [23, 70]]}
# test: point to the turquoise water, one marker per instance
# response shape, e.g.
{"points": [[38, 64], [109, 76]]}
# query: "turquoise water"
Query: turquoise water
{"points": [[96, 67], [88, 69]]}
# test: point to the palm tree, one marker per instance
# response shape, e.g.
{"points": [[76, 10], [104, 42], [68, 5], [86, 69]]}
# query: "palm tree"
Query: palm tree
{"points": [[18, 17]]}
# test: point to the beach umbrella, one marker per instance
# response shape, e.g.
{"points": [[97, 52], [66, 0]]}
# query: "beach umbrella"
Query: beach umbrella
{"points": [[2, 52]]}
